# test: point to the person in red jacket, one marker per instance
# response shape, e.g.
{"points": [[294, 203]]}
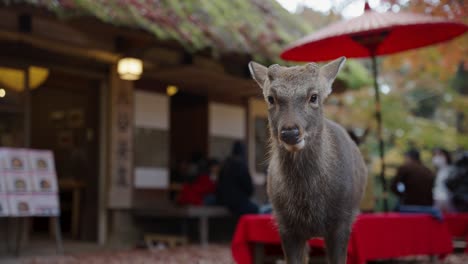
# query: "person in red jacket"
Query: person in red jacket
{"points": [[204, 185]]}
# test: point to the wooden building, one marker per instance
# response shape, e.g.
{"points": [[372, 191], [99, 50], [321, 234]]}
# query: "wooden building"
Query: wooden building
{"points": [[115, 141]]}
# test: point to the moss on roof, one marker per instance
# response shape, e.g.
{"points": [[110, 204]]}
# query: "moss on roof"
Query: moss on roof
{"points": [[257, 27]]}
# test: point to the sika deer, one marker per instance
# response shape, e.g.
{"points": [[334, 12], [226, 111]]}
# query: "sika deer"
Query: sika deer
{"points": [[316, 174]]}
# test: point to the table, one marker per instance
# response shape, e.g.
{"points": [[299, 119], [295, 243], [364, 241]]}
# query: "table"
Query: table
{"points": [[374, 236], [458, 226], [258, 229], [392, 235]]}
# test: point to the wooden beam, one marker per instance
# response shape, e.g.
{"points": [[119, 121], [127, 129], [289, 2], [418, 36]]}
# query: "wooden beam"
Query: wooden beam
{"points": [[42, 43], [18, 62]]}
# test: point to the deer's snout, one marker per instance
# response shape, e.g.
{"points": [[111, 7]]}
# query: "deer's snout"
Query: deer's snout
{"points": [[290, 135]]}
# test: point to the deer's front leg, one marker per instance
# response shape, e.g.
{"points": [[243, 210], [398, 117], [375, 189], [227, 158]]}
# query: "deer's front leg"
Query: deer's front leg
{"points": [[295, 249], [337, 244]]}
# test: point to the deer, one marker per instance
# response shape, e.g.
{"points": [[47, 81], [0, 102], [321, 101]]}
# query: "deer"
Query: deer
{"points": [[316, 174]]}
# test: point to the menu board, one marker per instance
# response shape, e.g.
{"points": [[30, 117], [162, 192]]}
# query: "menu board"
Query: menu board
{"points": [[28, 183]]}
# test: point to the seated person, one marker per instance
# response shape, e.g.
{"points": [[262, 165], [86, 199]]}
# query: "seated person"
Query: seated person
{"points": [[443, 163], [202, 189], [235, 187], [413, 184], [457, 183]]}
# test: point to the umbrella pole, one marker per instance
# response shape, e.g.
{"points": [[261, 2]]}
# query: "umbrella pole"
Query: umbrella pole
{"points": [[378, 116]]}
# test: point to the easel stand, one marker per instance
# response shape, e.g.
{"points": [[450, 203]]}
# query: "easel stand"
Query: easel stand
{"points": [[21, 225], [28, 188]]}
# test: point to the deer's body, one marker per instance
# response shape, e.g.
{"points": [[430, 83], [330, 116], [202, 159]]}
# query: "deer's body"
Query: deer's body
{"points": [[316, 175], [317, 191]]}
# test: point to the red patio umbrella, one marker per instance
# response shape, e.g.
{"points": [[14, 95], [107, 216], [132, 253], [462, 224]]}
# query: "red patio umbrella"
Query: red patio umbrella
{"points": [[370, 35]]}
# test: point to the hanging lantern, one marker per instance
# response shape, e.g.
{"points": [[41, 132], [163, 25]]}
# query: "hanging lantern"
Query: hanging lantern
{"points": [[14, 78], [130, 68]]}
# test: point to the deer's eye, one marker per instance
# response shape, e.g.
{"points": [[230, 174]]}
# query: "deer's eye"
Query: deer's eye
{"points": [[313, 98], [271, 100]]}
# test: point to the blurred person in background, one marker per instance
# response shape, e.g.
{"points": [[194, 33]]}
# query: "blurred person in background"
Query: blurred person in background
{"points": [[413, 181], [196, 166], [202, 188], [214, 166], [442, 196], [235, 187], [457, 183]]}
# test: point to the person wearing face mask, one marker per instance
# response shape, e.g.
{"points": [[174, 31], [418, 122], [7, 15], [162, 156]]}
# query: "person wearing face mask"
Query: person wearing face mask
{"points": [[442, 197], [457, 183]]}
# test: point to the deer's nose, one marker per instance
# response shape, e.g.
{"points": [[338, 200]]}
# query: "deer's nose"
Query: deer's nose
{"points": [[290, 135]]}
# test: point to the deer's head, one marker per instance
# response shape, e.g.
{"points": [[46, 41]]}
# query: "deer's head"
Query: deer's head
{"points": [[295, 98]]}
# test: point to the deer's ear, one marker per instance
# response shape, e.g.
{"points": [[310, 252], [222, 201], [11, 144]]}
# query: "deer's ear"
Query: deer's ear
{"points": [[258, 72], [329, 72]]}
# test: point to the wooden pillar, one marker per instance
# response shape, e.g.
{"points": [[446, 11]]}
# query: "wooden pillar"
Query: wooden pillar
{"points": [[121, 142]]}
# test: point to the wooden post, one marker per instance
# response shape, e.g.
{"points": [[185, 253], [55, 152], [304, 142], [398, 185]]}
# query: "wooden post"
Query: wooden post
{"points": [[121, 142]]}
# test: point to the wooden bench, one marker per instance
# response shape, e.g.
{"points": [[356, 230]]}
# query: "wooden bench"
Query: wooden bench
{"points": [[202, 213]]}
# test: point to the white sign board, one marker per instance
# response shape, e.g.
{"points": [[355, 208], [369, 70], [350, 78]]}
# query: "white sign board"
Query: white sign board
{"points": [[28, 183]]}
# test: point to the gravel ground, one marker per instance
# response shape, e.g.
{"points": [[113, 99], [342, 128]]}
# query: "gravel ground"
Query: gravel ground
{"points": [[213, 254]]}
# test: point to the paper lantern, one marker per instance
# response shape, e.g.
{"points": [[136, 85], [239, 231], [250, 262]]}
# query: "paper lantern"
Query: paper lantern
{"points": [[130, 68]]}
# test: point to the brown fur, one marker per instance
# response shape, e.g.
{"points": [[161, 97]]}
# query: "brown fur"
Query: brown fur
{"points": [[316, 185]]}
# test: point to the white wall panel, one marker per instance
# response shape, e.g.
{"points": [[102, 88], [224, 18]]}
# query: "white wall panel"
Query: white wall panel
{"points": [[151, 110], [227, 121]]}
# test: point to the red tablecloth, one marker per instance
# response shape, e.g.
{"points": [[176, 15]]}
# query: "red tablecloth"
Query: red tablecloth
{"points": [[374, 236], [257, 229], [457, 224], [381, 236]]}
